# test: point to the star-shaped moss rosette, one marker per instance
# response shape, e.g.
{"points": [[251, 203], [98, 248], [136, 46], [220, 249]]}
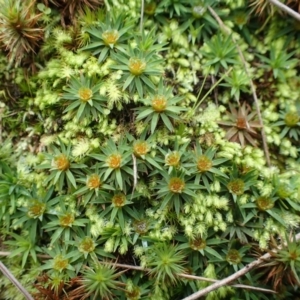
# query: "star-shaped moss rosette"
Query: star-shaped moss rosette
{"points": [[204, 165], [89, 250], [86, 101], [279, 62], [176, 157], [233, 259], [10, 191], [101, 281], [241, 126], [141, 149], [287, 190], [61, 261], [141, 223], [174, 190], [248, 217], [205, 245], [110, 35], [172, 7], [238, 182], [160, 105], [138, 67], [219, 52], [200, 23], [93, 188], [116, 208], [267, 206], [165, 262], [114, 162], [238, 81], [64, 223], [61, 167], [33, 215], [289, 121], [23, 245]]}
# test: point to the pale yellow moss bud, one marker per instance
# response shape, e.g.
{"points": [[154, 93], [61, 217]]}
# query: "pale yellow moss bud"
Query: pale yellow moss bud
{"points": [[109, 245], [123, 249], [209, 218], [189, 231], [138, 251], [222, 226], [200, 229]]}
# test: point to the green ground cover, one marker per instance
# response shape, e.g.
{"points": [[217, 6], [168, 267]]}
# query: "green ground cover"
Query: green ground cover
{"points": [[145, 141]]}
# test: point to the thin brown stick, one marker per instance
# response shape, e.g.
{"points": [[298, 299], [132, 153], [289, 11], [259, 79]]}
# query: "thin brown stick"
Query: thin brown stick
{"points": [[14, 281], [286, 9], [135, 175], [43, 256], [234, 276], [213, 81], [142, 15], [254, 95], [1, 112]]}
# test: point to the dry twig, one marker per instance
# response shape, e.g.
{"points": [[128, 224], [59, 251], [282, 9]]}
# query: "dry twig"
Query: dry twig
{"points": [[234, 276], [14, 281], [286, 9], [254, 95], [142, 15], [1, 113]]}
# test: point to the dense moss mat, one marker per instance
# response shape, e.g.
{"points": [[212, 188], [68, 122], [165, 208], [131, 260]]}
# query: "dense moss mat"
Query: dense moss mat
{"points": [[142, 141]]}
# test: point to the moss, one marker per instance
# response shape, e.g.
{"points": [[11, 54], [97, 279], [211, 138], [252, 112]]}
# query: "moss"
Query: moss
{"points": [[128, 142]]}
